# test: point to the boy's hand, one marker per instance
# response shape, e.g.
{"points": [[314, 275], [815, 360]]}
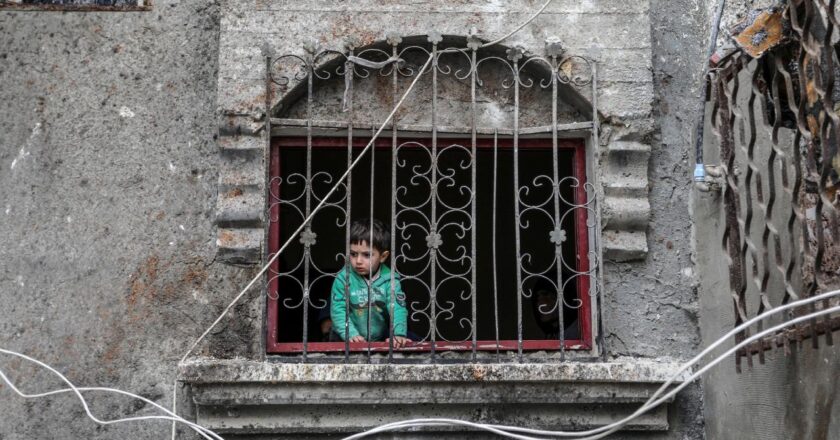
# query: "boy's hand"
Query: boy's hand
{"points": [[357, 339], [400, 341]]}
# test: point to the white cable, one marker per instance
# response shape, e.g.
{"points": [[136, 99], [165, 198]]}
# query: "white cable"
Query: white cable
{"points": [[652, 401], [204, 432], [721, 340], [324, 200], [519, 28], [723, 357]]}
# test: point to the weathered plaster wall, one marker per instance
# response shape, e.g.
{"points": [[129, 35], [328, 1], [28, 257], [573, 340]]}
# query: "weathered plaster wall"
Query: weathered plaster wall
{"points": [[109, 170]]}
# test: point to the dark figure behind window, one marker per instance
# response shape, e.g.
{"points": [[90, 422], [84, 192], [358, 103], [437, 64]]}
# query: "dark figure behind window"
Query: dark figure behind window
{"points": [[543, 305]]}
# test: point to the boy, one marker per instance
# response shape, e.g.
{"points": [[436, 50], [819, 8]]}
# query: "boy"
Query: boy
{"points": [[366, 278]]}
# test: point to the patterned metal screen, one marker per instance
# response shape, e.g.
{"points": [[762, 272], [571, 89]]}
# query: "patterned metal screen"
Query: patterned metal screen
{"points": [[777, 125]]}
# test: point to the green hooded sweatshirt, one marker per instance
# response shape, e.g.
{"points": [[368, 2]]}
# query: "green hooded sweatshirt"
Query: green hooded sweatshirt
{"points": [[380, 309]]}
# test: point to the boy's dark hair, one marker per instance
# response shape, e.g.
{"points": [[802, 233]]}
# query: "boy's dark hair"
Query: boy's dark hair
{"points": [[360, 231]]}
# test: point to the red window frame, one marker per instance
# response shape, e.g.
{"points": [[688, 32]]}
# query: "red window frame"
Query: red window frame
{"points": [[273, 327]]}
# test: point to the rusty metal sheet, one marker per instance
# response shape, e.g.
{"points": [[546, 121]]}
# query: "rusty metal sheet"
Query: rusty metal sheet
{"points": [[761, 30], [781, 204]]}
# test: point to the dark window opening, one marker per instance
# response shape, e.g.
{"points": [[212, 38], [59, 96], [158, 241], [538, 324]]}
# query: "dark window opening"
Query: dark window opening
{"points": [[497, 297]]}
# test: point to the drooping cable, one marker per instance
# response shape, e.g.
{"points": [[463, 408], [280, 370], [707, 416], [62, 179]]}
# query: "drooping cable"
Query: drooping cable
{"points": [[204, 432], [656, 399], [507, 431]]}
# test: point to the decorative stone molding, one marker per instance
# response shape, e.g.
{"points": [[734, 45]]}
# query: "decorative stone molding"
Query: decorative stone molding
{"points": [[240, 207], [250, 398], [626, 209]]}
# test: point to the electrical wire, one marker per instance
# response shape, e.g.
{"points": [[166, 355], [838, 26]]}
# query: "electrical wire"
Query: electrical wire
{"points": [[506, 431], [204, 432], [724, 338], [653, 401]]}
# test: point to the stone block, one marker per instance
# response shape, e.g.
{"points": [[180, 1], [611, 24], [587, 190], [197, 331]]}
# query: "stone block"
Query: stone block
{"points": [[240, 246], [623, 246], [242, 143], [240, 206], [241, 168], [625, 213]]}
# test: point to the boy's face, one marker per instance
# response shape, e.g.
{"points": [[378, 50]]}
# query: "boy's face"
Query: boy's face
{"points": [[366, 260]]}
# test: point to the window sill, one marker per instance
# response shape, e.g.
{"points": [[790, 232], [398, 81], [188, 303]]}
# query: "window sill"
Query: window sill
{"points": [[253, 398]]}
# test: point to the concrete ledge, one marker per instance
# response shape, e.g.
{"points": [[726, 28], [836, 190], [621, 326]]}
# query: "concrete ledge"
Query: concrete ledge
{"points": [[320, 420], [250, 398], [624, 245], [239, 246], [625, 213], [242, 143], [239, 370], [240, 206]]}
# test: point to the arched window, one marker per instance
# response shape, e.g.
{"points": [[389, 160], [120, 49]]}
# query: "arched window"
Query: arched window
{"points": [[480, 182]]}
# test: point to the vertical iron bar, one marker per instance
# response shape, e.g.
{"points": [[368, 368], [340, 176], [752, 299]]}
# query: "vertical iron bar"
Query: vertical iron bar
{"points": [[745, 222], [370, 291], [731, 239], [391, 305], [805, 66], [473, 219], [558, 246], [269, 97], [765, 206], [349, 73], [596, 121], [495, 216], [308, 189], [596, 284], [519, 292], [433, 226]]}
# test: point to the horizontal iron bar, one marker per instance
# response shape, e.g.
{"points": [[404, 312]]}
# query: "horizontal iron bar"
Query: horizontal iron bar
{"points": [[284, 126], [504, 345], [793, 335]]}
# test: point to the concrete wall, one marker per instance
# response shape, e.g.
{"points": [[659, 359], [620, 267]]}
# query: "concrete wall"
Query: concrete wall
{"points": [[109, 170]]}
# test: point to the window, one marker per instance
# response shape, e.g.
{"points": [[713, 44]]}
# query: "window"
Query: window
{"points": [[470, 273], [481, 178]]}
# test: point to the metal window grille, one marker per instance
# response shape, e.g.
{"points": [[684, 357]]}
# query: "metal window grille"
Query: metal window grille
{"points": [[777, 128], [492, 233]]}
